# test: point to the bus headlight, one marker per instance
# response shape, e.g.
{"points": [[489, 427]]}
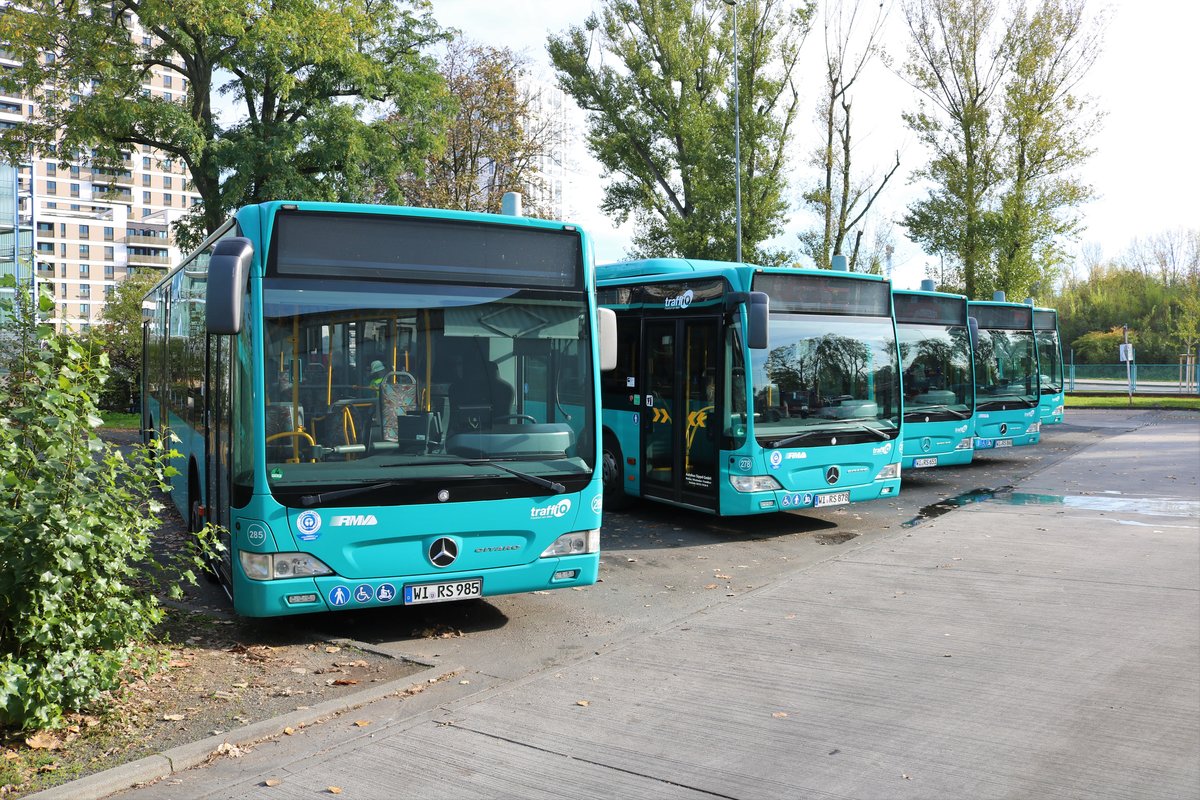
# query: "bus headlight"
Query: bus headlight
{"points": [[965, 444], [1034, 428], [754, 483], [269, 566], [889, 472], [1058, 410], [576, 543]]}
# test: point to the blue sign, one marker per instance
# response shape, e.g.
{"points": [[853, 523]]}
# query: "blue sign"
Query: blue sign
{"points": [[363, 593], [339, 596], [984, 444], [386, 593]]}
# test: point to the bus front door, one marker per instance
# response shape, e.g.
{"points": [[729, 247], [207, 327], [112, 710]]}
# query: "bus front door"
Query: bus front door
{"points": [[680, 432]]}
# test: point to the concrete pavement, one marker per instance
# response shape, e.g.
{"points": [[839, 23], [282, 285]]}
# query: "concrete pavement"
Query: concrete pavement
{"points": [[1045, 643]]}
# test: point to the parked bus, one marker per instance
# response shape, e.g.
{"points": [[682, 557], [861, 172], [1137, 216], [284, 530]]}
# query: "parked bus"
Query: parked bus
{"points": [[938, 373], [745, 390], [1052, 400], [1006, 369], [382, 406]]}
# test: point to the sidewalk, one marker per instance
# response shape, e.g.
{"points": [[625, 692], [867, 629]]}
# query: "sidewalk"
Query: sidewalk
{"points": [[1046, 644]]}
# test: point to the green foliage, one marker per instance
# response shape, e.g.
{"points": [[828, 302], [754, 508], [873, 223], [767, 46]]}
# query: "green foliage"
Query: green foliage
{"points": [[656, 77], [1005, 127], [76, 516], [494, 138], [119, 335], [306, 74]]}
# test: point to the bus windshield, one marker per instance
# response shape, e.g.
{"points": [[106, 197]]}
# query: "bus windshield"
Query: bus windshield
{"points": [[373, 382], [1051, 367], [1005, 361], [828, 373], [936, 361]]}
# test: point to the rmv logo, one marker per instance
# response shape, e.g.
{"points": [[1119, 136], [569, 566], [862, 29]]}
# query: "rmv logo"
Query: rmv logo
{"points": [[682, 301], [559, 509], [354, 519]]}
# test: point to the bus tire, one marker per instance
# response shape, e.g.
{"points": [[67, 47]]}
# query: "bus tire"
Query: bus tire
{"points": [[612, 471]]}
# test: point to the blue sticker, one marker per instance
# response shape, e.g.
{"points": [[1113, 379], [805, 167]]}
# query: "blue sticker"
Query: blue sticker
{"points": [[386, 593], [776, 459], [363, 593], [807, 499], [309, 526], [339, 596]]}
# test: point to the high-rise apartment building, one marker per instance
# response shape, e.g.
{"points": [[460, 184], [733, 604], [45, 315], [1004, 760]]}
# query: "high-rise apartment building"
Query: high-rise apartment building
{"points": [[91, 227]]}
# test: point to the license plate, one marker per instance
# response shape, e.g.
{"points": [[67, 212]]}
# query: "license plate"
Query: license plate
{"points": [[832, 499], [442, 592], [925, 462], [1004, 443]]}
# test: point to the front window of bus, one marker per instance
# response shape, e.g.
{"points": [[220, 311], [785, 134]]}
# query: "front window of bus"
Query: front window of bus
{"points": [[1050, 365], [1004, 369], [385, 385], [936, 362], [826, 373]]}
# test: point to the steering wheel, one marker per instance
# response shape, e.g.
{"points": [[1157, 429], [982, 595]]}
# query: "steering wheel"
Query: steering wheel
{"points": [[519, 418]]}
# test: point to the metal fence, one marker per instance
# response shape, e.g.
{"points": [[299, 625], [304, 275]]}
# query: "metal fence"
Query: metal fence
{"points": [[1145, 378]]}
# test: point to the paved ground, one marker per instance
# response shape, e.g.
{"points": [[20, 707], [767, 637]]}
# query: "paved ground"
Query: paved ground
{"points": [[1043, 643]]}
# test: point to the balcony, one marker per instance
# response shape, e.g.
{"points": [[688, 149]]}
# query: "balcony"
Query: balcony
{"points": [[150, 241], [139, 260], [112, 195]]}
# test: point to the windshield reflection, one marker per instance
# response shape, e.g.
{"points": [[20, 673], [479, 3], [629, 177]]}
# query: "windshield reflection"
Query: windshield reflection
{"points": [[1004, 369], [381, 381], [835, 373], [936, 360], [1050, 365]]}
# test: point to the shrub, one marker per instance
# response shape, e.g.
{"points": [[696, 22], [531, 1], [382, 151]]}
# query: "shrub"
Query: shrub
{"points": [[77, 602]]}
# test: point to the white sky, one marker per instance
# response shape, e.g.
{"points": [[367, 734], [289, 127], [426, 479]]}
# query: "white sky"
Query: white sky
{"points": [[1145, 169]]}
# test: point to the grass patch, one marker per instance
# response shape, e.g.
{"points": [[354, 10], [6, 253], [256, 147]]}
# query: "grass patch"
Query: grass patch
{"points": [[1088, 400], [121, 420]]}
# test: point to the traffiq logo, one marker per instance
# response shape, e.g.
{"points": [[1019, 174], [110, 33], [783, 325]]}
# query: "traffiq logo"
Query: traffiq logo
{"points": [[559, 509], [682, 301]]}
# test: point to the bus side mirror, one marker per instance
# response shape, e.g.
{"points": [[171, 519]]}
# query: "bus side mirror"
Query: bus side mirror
{"points": [[606, 326], [757, 313], [227, 271], [973, 331]]}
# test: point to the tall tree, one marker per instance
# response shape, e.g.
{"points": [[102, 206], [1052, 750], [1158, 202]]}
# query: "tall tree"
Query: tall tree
{"points": [[495, 138], [662, 117], [958, 58], [300, 72], [851, 41], [1047, 125]]}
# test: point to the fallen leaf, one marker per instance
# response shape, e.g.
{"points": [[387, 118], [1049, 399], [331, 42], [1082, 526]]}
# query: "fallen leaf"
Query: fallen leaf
{"points": [[173, 717], [333, 649], [289, 731], [43, 740], [345, 682], [779, 714], [334, 790], [722, 577], [272, 782], [711, 586], [362, 723], [584, 703]]}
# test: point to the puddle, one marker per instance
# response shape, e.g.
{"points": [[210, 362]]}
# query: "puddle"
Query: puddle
{"points": [[1113, 502]]}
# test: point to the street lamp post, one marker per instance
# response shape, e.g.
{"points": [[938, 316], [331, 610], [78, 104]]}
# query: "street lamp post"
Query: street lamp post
{"points": [[737, 133]]}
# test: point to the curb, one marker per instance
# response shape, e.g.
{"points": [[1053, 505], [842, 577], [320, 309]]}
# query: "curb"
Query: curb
{"points": [[185, 756]]}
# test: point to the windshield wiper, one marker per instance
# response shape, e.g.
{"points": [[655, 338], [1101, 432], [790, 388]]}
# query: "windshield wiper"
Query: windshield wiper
{"points": [[802, 435], [536, 480], [938, 407], [312, 499]]}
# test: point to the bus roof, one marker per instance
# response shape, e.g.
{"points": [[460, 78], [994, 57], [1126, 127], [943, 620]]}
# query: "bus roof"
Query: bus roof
{"points": [[695, 268]]}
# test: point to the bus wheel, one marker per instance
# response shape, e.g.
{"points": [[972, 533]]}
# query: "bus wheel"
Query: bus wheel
{"points": [[612, 465], [195, 523]]}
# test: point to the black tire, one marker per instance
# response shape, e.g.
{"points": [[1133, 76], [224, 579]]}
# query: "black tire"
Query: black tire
{"points": [[612, 470]]}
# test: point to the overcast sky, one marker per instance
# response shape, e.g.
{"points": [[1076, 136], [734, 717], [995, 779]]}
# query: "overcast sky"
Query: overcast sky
{"points": [[1146, 168]]}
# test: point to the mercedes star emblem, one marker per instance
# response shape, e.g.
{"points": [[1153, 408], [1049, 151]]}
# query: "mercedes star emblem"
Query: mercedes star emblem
{"points": [[443, 552]]}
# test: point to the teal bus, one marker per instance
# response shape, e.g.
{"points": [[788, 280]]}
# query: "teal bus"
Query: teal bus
{"points": [[382, 406], [745, 390], [938, 375], [1052, 400], [1007, 389]]}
